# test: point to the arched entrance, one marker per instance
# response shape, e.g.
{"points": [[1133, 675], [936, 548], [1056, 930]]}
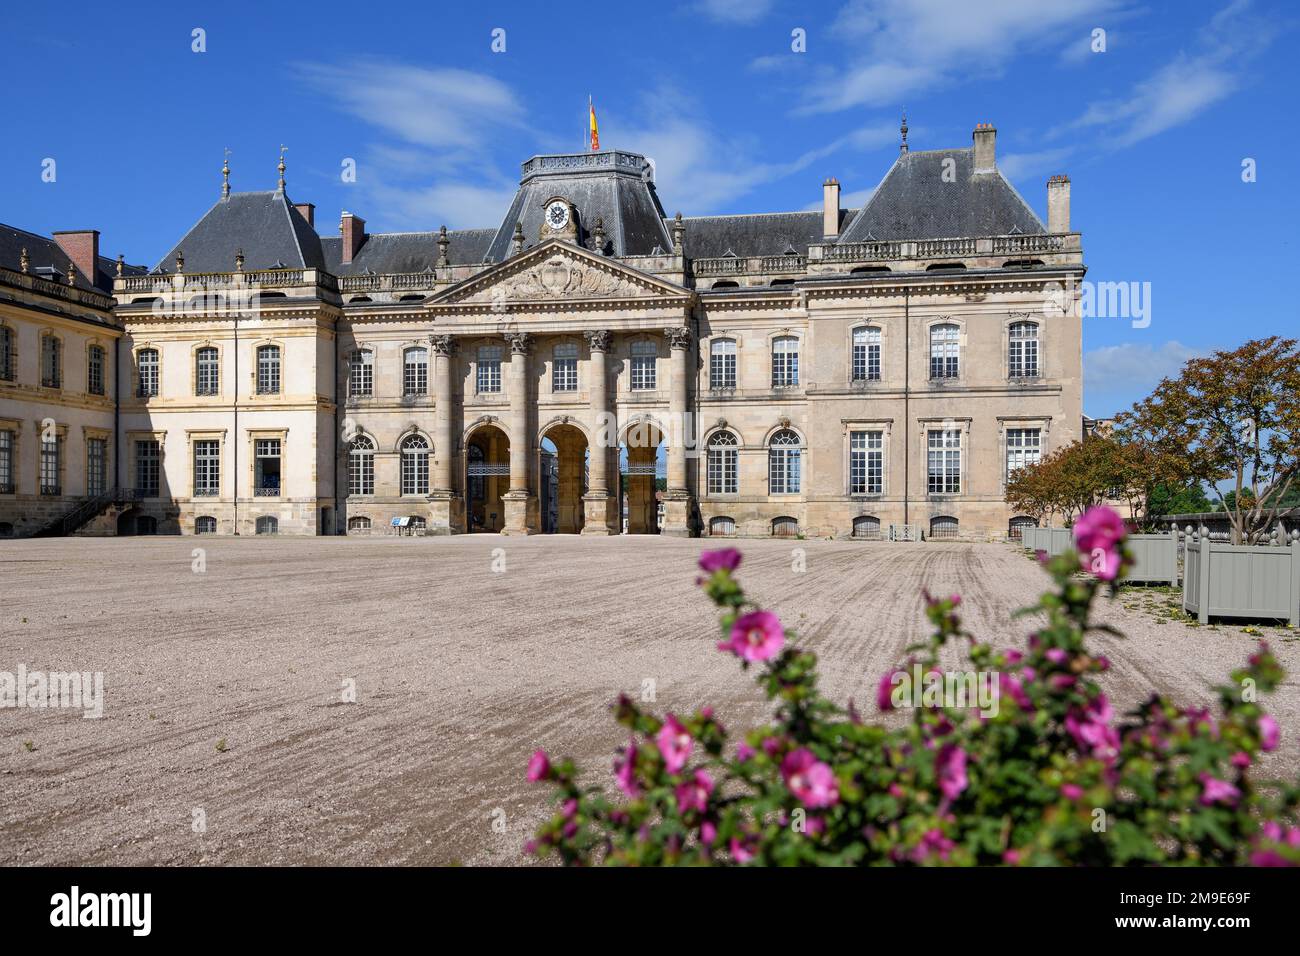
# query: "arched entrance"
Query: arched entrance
{"points": [[487, 478], [563, 478], [639, 478]]}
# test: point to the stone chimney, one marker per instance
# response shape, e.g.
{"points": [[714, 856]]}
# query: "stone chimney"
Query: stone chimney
{"points": [[82, 247], [1058, 204], [308, 211], [353, 229], [831, 208], [985, 137]]}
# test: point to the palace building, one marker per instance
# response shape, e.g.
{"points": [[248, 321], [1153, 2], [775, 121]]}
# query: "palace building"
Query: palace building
{"points": [[586, 364]]}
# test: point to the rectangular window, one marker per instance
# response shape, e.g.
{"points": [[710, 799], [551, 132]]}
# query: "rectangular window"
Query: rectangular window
{"points": [[6, 353], [268, 370], [722, 364], [785, 362], [943, 462], [95, 370], [207, 468], [1024, 447], [51, 362], [361, 470], [50, 455], [147, 368], [488, 376], [147, 455], [206, 372], [866, 355], [564, 368], [6, 462], [644, 356], [361, 375], [723, 464], [266, 467], [1022, 354], [415, 372], [96, 466], [866, 463], [945, 341]]}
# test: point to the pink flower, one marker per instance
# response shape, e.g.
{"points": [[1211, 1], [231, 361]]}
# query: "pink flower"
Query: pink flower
{"points": [[742, 851], [708, 832], [1010, 684], [539, 767], [725, 559], [933, 842], [885, 690], [625, 771], [1071, 791], [694, 793], [675, 744], [1098, 535], [1216, 791], [1091, 731], [1011, 857], [1240, 760], [755, 636], [569, 809], [811, 781], [743, 751], [1269, 733], [950, 768]]}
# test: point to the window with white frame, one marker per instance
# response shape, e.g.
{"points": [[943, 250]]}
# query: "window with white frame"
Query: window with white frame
{"points": [[866, 462], [943, 461], [96, 466], [267, 467], [644, 355], [564, 367], [51, 361], [722, 363], [415, 371], [95, 370], [866, 354], [1022, 350], [268, 370], [361, 466], [723, 462], [6, 462], [51, 455], [359, 523], [206, 371], [148, 454], [361, 373], [415, 465], [784, 460], [1024, 447], [945, 343], [785, 362], [205, 524], [146, 364], [488, 374], [6, 353], [207, 468]]}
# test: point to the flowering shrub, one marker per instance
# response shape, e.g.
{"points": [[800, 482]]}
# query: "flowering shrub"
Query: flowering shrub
{"points": [[1049, 776]]}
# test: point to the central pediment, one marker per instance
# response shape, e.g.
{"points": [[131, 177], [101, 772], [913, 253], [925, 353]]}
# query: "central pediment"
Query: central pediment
{"points": [[558, 272]]}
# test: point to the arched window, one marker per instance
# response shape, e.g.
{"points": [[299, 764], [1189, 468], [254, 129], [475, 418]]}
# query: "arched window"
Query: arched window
{"points": [[206, 378], [722, 526], [722, 464], [146, 363], [415, 465], [866, 354], [268, 370], [1022, 350], [361, 466], [415, 371], [359, 523], [146, 525], [361, 373], [866, 526], [944, 342], [784, 464], [6, 353], [268, 525], [722, 363], [943, 526], [1018, 524], [6, 529], [785, 527], [785, 362], [564, 367], [644, 355], [205, 524]]}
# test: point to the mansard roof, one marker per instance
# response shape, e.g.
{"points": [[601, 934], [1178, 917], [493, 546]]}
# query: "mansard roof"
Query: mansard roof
{"points": [[271, 233], [44, 254], [915, 201], [387, 252], [760, 234], [612, 185]]}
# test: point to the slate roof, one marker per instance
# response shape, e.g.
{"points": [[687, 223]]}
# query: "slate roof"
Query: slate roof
{"points": [[607, 185], [43, 253], [761, 234], [406, 251], [264, 224], [914, 202]]}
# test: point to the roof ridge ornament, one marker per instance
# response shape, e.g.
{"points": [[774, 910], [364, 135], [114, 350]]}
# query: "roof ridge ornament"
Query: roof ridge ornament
{"points": [[225, 176], [903, 129], [443, 243], [283, 149]]}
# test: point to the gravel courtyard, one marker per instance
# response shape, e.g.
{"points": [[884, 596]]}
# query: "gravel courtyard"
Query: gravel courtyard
{"points": [[460, 671]]}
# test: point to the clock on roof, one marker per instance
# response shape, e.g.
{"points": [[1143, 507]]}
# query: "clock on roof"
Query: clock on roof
{"points": [[559, 220], [557, 214]]}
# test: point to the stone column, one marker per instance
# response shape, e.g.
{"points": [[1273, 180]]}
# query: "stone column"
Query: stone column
{"points": [[598, 503], [447, 510], [677, 499], [520, 503]]}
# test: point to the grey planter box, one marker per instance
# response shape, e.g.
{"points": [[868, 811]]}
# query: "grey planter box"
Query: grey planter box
{"points": [[1241, 581], [1155, 558], [1052, 540]]}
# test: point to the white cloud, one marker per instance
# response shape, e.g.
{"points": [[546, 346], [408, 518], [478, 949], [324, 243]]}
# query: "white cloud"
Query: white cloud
{"points": [[735, 11], [1022, 165], [1118, 375]]}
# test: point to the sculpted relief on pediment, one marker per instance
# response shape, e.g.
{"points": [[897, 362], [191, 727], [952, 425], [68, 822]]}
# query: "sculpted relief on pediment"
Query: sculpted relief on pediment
{"points": [[560, 277]]}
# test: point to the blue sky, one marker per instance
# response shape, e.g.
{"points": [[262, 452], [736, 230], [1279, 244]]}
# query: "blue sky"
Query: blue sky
{"points": [[1152, 131]]}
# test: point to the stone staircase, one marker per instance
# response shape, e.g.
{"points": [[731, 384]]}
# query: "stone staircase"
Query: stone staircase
{"points": [[71, 521]]}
